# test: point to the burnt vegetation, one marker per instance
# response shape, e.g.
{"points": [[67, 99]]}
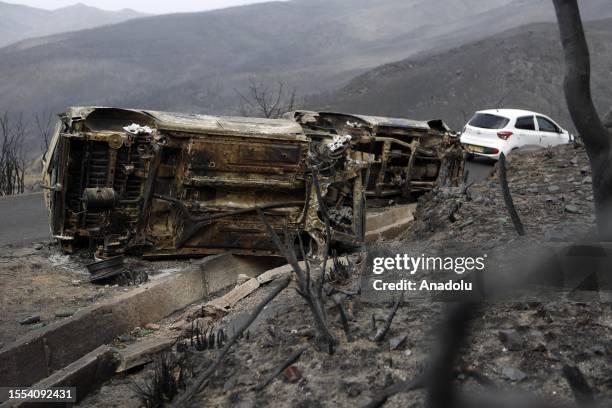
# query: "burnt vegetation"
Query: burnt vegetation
{"points": [[12, 154], [265, 100], [170, 374]]}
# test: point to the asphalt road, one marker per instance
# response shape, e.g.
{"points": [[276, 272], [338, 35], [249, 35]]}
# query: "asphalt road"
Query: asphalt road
{"points": [[23, 219]]}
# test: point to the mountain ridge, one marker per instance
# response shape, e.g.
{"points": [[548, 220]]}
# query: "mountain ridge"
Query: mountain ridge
{"points": [[20, 22]]}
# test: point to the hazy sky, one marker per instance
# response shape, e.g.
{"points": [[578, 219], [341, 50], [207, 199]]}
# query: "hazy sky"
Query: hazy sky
{"points": [[147, 6]]}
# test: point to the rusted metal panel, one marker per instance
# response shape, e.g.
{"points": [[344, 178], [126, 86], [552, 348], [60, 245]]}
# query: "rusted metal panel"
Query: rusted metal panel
{"points": [[406, 157], [166, 184]]}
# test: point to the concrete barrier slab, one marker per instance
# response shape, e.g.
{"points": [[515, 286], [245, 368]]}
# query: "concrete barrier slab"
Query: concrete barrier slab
{"points": [[85, 374], [389, 223], [42, 352]]}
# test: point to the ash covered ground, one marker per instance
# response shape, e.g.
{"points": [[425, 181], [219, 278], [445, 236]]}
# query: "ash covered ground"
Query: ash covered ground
{"points": [[41, 286], [552, 193]]}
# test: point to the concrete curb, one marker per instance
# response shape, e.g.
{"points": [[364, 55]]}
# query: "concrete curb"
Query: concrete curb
{"points": [[40, 353], [389, 223], [85, 374]]}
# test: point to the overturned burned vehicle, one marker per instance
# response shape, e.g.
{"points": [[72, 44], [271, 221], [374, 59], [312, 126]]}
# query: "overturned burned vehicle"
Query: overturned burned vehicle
{"points": [[407, 157], [165, 184]]}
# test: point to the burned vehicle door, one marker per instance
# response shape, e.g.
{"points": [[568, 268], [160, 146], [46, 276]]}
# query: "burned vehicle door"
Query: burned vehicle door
{"points": [[407, 157], [166, 184]]}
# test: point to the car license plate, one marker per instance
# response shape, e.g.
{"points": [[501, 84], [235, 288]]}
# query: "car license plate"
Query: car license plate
{"points": [[475, 149]]}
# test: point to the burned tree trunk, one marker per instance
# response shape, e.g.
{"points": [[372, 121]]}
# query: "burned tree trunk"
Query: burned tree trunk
{"points": [[597, 140]]}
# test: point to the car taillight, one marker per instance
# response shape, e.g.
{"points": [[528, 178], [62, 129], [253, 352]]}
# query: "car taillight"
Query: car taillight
{"points": [[504, 135]]}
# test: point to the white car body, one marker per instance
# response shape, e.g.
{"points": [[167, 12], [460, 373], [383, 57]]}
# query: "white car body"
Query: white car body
{"points": [[495, 131]]}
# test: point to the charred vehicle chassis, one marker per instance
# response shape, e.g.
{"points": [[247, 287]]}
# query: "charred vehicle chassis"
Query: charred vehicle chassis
{"points": [[406, 157], [164, 184]]}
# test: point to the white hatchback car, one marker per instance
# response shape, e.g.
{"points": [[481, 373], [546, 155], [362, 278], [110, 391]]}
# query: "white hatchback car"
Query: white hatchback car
{"points": [[492, 132]]}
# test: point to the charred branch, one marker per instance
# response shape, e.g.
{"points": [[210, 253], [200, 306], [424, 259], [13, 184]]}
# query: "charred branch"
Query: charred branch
{"points": [[344, 320], [382, 332], [202, 378], [404, 386], [310, 291], [503, 181], [438, 377], [44, 127], [278, 370]]}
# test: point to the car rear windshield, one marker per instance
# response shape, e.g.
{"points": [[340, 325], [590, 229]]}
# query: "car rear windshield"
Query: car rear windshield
{"points": [[488, 121]]}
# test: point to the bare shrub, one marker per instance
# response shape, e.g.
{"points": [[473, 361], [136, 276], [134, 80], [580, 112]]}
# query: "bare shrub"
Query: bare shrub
{"points": [[12, 155]]}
